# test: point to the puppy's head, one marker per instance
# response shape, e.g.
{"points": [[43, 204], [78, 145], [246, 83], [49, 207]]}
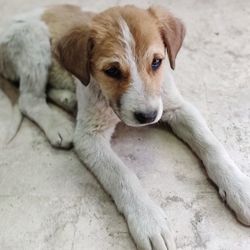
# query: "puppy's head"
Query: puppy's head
{"points": [[125, 51]]}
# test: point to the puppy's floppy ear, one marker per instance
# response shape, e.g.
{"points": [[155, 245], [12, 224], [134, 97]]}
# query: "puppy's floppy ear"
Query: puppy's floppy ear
{"points": [[73, 50], [172, 31]]}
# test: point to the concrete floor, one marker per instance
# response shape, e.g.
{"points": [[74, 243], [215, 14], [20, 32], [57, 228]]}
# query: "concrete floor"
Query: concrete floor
{"points": [[48, 199]]}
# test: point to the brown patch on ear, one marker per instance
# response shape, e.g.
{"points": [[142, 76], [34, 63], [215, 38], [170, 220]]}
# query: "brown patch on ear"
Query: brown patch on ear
{"points": [[73, 50], [172, 31]]}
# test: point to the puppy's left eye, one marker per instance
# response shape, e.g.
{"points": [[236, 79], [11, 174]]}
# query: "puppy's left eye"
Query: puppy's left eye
{"points": [[156, 63], [113, 72]]}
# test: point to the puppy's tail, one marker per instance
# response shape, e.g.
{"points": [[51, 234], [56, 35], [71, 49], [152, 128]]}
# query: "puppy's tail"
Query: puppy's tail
{"points": [[15, 123], [16, 116]]}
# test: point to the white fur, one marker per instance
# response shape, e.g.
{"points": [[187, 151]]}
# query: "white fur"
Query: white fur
{"points": [[95, 124], [26, 42], [136, 98], [25, 56]]}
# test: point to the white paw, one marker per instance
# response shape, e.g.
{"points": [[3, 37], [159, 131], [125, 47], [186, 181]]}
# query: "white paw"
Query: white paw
{"points": [[60, 134], [149, 229], [237, 196]]}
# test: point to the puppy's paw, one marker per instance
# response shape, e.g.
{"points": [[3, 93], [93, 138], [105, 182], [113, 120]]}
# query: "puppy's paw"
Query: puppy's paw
{"points": [[149, 229], [64, 98], [60, 134], [237, 196]]}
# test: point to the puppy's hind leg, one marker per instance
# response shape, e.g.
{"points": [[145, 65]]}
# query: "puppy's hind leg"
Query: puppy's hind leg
{"points": [[57, 128], [33, 65]]}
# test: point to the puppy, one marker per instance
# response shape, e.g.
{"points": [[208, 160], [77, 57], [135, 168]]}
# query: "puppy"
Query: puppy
{"points": [[119, 60]]}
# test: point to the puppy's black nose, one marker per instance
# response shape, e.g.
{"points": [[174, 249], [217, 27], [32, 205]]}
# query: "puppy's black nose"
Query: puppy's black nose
{"points": [[145, 117]]}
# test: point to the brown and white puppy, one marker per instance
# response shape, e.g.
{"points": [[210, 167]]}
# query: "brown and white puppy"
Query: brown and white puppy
{"points": [[120, 55]]}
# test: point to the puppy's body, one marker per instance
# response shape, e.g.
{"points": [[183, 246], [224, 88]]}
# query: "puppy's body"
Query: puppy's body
{"points": [[121, 60]]}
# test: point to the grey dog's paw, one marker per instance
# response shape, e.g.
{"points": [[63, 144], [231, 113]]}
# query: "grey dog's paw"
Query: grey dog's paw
{"points": [[237, 196]]}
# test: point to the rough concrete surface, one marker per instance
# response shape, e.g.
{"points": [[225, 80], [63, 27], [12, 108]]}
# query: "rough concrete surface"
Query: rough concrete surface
{"points": [[49, 200]]}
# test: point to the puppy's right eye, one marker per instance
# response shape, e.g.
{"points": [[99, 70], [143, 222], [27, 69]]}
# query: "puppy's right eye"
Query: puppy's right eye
{"points": [[113, 72], [156, 64]]}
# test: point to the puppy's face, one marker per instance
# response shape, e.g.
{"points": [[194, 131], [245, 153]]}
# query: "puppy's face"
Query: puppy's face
{"points": [[127, 58]]}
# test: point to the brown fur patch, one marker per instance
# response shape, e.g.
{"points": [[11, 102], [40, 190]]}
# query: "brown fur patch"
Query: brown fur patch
{"points": [[106, 33], [61, 19], [69, 30], [72, 53], [172, 29]]}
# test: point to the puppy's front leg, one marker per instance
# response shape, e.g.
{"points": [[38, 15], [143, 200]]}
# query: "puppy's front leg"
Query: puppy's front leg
{"points": [[188, 124], [146, 221]]}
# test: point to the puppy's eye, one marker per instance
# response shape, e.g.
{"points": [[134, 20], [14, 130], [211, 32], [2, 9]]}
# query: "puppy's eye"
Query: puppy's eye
{"points": [[113, 72], [156, 63]]}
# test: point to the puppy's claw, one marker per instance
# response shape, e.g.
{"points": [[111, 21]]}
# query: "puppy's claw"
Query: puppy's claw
{"points": [[237, 196], [149, 228], [61, 136]]}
